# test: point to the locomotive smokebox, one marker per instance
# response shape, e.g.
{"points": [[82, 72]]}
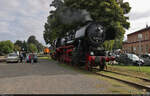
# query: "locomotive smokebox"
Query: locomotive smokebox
{"points": [[93, 32]]}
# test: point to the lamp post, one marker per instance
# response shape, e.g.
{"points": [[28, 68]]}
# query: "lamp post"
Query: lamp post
{"points": [[140, 51], [140, 39]]}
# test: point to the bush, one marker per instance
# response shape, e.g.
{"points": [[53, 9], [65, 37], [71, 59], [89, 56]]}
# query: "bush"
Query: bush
{"points": [[6, 47]]}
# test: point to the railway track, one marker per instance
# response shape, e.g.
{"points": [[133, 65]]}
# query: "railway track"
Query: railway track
{"points": [[145, 79], [134, 84], [130, 83]]}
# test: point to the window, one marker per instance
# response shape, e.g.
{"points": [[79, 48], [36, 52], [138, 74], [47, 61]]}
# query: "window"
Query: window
{"points": [[141, 48], [146, 48], [146, 35], [140, 36], [137, 48], [134, 48]]}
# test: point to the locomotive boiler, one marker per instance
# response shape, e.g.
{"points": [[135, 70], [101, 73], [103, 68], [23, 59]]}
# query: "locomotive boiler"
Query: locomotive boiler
{"points": [[82, 47]]}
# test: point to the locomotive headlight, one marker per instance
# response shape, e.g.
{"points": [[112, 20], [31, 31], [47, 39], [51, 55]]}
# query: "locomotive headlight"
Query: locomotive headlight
{"points": [[99, 28]]}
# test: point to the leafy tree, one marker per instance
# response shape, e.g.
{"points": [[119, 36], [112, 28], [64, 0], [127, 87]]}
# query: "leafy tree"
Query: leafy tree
{"points": [[6, 47], [32, 48], [32, 40], [24, 46], [118, 44], [21, 45], [18, 43], [70, 15], [108, 45], [40, 47], [17, 48]]}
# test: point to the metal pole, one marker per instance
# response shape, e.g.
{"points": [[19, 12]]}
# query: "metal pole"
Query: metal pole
{"points": [[139, 55]]}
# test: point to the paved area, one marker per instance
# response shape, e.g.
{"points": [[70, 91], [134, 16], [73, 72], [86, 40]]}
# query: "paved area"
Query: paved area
{"points": [[47, 77]]}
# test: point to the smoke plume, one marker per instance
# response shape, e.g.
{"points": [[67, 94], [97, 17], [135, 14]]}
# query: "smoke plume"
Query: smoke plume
{"points": [[70, 16]]}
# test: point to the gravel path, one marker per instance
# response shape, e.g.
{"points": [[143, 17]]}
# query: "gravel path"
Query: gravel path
{"points": [[47, 77]]}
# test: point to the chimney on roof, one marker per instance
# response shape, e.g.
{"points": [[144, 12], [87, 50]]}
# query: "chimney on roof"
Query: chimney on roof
{"points": [[146, 25]]}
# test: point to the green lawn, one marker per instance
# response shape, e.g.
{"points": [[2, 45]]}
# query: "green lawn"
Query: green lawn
{"points": [[45, 57], [145, 69]]}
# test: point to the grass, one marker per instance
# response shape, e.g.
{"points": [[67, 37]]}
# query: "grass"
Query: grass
{"points": [[144, 71], [126, 78], [116, 87], [45, 57]]}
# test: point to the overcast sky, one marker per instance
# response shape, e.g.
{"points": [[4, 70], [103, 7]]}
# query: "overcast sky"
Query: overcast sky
{"points": [[21, 18], [139, 15]]}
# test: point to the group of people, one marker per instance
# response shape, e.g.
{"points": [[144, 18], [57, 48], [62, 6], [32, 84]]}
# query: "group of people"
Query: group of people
{"points": [[23, 57]]}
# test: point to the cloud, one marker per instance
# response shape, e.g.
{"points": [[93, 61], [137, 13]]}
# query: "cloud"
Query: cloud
{"points": [[21, 18], [4, 27], [139, 15]]}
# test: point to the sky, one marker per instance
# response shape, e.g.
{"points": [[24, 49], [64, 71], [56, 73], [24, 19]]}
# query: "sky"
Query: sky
{"points": [[139, 15], [21, 18]]}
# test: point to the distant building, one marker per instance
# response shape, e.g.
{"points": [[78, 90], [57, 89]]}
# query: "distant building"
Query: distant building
{"points": [[138, 42]]}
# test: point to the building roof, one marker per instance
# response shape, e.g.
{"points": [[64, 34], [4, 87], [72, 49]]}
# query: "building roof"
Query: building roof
{"points": [[144, 29]]}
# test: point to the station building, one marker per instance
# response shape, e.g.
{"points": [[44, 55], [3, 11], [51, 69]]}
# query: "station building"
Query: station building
{"points": [[138, 42]]}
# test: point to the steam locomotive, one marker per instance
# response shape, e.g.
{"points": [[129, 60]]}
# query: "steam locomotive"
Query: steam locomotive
{"points": [[83, 47]]}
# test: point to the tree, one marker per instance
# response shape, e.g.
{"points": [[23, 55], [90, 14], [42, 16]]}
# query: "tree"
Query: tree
{"points": [[118, 44], [32, 40], [17, 48], [6, 47], [70, 15], [32, 48], [24, 46], [108, 45], [40, 47], [18, 43]]}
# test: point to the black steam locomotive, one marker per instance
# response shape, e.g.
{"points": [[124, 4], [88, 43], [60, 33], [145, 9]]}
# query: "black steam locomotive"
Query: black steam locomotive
{"points": [[83, 47]]}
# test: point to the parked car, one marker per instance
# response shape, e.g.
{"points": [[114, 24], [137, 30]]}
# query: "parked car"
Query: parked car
{"points": [[28, 58], [130, 59], [146, 58], [12, 57]]}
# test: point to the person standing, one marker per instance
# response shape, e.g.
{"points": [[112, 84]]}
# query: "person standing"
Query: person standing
{"points": [[32, 58], [24, 57], [21, 57]]}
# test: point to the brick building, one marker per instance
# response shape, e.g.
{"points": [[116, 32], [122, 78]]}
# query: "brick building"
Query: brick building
{"points": [[138, 42]]}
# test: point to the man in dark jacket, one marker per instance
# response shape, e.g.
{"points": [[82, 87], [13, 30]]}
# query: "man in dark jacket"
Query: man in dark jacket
{"points": [[21, 57]]}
